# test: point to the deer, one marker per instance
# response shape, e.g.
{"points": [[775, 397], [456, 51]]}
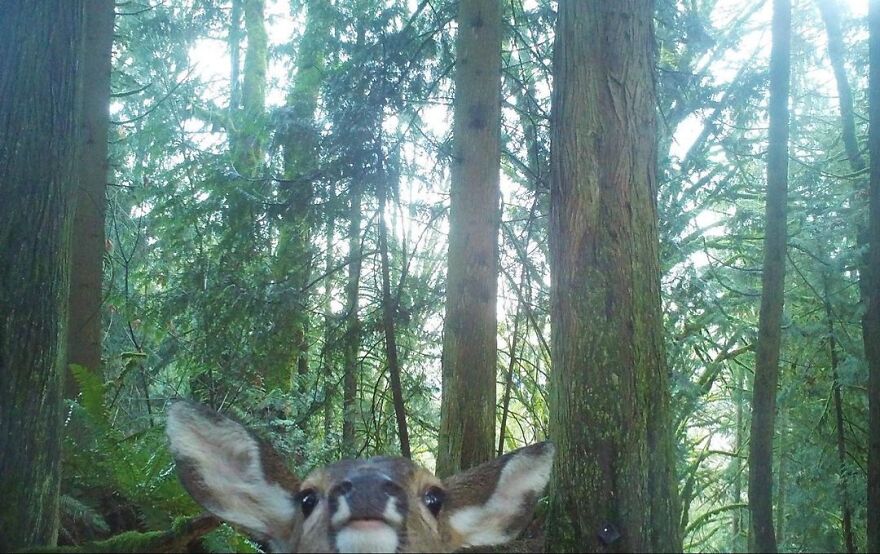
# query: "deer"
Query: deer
{"points": [[380, 504]]}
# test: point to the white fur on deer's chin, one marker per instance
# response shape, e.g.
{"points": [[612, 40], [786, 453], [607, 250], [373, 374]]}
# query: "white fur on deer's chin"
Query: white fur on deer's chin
{"points": [[372, 536]]}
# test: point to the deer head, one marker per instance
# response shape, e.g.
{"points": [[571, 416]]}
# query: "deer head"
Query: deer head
{"points": [[383, 504]]}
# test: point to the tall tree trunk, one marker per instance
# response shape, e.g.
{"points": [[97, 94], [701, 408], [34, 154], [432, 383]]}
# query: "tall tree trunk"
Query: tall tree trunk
{"points": [[780, 490], [772, 287], [829, 10], [389, 309], [736, 523], [843, 490], [87, 249], [467, 408], [235, 57], [246, 140], [609, 367], [329, 347], [294, 258], [40, 45], [508, 379], [871, 323], [352, 325]]}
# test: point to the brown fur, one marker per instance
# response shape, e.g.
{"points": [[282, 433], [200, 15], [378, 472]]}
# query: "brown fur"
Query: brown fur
{"points": [[404, 482]]}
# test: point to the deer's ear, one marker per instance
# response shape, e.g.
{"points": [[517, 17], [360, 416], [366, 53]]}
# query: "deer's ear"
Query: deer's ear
{"points": [[493, 502], [229, 472]]}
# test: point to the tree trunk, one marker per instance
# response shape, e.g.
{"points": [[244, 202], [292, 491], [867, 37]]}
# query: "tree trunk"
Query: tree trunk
{"points": [[609, 369], [846, 511], [352, 325], [781, 490], [467, 409], [328, 364], [294, 258], [87, 248], [235, 57], [736, 523], [40, 45], [389, 310], [772, 289], [871, 323], [829, 10], [247, 148], [246, 141]]}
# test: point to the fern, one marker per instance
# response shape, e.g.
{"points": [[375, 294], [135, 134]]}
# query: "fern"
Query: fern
{"points": [[93, 390]]}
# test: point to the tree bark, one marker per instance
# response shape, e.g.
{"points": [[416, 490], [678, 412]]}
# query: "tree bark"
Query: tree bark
{"points": [[235, 57], [40, 45], [609, 410], [352, 325], [247, 147], [327, 351], [389, 311], [467, 408], [829, 10], [772, 288], [299, 135], [87, 248], [246, 141], [781, 490], [871, 323], [736, 523], [843, 490]]}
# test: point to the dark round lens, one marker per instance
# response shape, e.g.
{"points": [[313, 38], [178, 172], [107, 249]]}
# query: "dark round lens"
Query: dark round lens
{"points": [[433, 499], [308, 499]]}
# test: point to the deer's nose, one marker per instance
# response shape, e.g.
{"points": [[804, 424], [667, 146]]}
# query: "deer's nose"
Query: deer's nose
{"points": [[369, 495]]}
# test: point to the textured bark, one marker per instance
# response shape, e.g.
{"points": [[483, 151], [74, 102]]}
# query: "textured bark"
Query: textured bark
{"points": [[871, 323], [84, 332], [40, 46], [609, 413], [772, 288], [299, 136], [467, 409], [352, 341]]}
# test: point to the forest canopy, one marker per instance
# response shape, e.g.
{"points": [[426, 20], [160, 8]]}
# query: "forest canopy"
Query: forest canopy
{"points": [[647, 231]]}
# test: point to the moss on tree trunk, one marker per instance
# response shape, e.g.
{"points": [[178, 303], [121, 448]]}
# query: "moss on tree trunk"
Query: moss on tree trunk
{"points": [[39, 47], [614, 487]]}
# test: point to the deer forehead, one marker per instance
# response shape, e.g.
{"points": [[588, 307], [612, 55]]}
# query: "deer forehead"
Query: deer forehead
{"points": [[408, 475]]}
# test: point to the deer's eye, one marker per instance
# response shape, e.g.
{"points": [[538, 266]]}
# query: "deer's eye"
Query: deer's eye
{"points": [[308, 499], [433, 499]]}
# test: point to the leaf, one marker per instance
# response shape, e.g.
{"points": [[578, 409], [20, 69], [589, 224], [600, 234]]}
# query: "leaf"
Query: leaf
{"points": [[92, 389]]}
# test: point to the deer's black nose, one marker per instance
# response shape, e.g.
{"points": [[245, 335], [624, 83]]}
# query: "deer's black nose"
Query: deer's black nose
{"points": [[368, 494]]}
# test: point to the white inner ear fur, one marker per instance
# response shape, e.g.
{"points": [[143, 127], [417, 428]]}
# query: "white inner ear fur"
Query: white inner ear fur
{"points": [[227, 460], [487, 524]]}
